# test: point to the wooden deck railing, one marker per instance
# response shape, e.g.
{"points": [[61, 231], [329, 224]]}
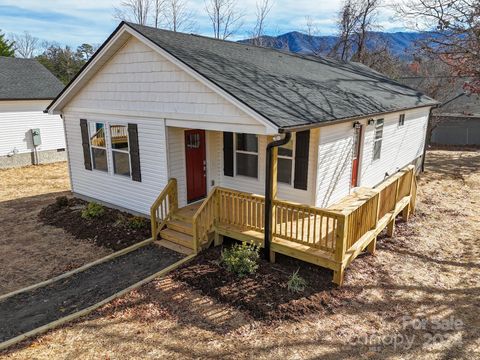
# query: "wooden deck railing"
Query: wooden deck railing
{"points": [[165, 204], [203, 221]]}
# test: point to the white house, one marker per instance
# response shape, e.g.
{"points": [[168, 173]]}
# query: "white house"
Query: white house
{"points": [[202, 110], [229, 120], [28, 136]]}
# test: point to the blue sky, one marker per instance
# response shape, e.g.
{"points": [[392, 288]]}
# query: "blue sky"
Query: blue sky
{"points": [[73, 22]]}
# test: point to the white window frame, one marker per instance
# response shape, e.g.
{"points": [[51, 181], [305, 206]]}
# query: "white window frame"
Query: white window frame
{"points": [[401, 120], [98, 147], [245, 152], [292, 177], [376, 140], [111, 150]]}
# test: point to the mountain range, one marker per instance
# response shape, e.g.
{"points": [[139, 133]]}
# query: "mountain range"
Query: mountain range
{"points": [[401, 44]]}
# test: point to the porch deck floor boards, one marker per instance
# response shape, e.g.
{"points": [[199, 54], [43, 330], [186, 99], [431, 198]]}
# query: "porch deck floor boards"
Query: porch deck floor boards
{"points": [[189, 210], [32, 309]]}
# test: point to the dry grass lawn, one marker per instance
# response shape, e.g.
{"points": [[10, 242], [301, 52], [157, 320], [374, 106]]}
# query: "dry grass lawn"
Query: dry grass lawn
{"points": [[429, 272], [30, 251]]}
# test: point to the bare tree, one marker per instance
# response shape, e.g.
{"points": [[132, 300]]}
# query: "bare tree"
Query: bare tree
{"points": [[225, 18], [263, 8], [452, 33], [158, 8], [26, 45], [366, 12], [177, 17], [347, 23], [137, 11]]}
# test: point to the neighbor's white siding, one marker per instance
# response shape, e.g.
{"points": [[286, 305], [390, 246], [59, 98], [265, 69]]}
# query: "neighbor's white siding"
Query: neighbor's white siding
{"points": [[114, 189], [400, 146], [17, 118]]}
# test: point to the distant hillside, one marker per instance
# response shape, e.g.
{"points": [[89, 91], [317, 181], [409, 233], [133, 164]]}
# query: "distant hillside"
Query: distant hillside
{"points": [[400, 43]]}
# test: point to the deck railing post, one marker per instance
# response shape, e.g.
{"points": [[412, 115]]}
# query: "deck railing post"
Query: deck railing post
{"points": [[340, 248], [407, 208], [391, 224], [373, 244]]}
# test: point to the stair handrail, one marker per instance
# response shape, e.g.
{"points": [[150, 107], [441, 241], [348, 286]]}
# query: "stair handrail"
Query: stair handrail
{"points": [[162, 208], [196, 235]]}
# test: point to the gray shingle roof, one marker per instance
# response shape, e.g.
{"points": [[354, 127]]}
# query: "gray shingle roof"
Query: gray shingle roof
{"points": [[290, 90], [26, 79]]}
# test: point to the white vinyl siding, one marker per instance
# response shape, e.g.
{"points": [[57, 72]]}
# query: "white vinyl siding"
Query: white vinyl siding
{"points": [[17, 118], [120, 190]]}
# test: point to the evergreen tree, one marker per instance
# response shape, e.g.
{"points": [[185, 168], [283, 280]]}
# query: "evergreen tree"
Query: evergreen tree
{"points": [[6, 47]]}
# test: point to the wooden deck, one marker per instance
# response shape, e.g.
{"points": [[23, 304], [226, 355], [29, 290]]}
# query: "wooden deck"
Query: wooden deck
{"points": [[330, 238]]}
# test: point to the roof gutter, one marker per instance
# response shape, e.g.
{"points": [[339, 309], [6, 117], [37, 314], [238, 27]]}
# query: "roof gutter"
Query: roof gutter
{"points": [[268, 192], [353, 118]]}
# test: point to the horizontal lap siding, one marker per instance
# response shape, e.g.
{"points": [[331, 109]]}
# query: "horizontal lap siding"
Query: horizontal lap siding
{"points": [[114, 189], [334, 166], [16, 126], [400, 146]]}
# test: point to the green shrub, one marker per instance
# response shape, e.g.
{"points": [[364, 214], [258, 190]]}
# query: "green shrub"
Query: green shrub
{"points": [[241, 259], [296, 283], [61, 201], [93, 210], [137, 222]]}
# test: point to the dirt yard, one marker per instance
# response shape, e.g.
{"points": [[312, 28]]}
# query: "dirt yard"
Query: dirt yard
{"points": [[30, 251], [417, 298]]}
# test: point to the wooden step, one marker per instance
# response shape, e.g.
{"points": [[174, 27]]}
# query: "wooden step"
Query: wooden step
{"points": [[175, 247], [180, 226], [177, 237]]}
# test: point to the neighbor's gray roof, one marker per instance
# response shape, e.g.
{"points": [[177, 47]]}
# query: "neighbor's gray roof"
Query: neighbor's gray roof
{"points": [[26, 79], [290, 90]]}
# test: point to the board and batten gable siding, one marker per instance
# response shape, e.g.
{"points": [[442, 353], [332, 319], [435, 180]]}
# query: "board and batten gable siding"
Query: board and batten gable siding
{"points": [[138, 81], [119, 190], [17, 118], [400, 146]]}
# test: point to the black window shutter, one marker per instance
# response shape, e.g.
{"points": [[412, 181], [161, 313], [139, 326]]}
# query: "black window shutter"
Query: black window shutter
{"points": [[134, 152], [87, 160], [302, 147], [228, 154]]}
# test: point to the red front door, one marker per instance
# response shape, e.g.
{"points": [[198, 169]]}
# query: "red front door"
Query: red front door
{"points": [[196, 164], [356, 153]]}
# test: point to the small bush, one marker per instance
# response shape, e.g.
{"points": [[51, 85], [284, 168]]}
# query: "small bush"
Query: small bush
{"points": [[61, 201], [137, 222], [241, 259], [93, 210], [296, 283]]}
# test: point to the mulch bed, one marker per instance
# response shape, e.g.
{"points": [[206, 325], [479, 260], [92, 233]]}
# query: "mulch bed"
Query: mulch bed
{"points": [[264, 295], [111, 230], [31, 309]]}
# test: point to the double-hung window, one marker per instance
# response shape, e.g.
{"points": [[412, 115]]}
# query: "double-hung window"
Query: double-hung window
{"points": [[120, 150], [377, 143], [98, 145], [246, 155], [286, 157]]}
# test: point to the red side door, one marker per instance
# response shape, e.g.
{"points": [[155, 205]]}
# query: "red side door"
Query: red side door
{"points": [[356, 153], [196, 164]]}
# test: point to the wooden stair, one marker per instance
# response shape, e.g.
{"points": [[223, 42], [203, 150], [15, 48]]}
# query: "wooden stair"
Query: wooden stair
{"points": [[178, 234]]}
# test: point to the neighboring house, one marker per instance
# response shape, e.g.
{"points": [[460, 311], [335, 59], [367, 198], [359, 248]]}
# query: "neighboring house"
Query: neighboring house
{"points": [[152, 105], [28, 135], [457, 120]]}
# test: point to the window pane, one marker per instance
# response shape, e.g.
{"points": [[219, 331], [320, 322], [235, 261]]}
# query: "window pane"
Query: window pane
{"points": [[247, 142], [284, 171], [247, 165], [119, 135], [121, 163], [376, 149], [99, 157], [379, 129], [97, 134]]}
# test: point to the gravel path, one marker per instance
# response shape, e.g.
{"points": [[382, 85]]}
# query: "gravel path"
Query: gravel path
{"points": [[29, 310]]}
